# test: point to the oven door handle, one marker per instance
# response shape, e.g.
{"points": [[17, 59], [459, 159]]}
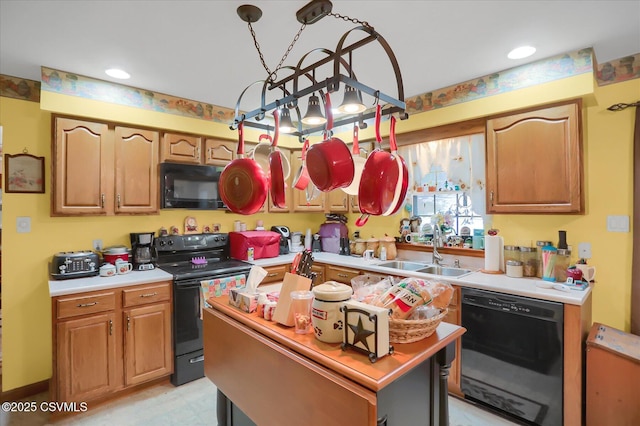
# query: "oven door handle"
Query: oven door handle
{"points": [[196, 359]]}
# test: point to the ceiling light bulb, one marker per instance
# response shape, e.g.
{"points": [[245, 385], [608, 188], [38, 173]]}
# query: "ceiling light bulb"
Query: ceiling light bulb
{"points": [[286, 126], [352, 103], [314, 113], [117, 73], [521, 52]]}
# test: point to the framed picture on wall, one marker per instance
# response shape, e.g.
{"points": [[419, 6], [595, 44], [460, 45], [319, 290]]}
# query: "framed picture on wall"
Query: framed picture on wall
{"points": [[23, 173]]}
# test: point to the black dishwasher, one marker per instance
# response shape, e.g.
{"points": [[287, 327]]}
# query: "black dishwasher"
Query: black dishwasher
{"points": [[512, 355]]}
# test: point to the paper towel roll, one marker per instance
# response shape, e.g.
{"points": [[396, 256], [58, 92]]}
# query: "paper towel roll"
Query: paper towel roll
{"points": [[493, 253]]}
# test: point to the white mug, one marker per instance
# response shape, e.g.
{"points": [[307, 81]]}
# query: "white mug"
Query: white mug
{"points": [[368, 255], [123, 267], [588, 272]]}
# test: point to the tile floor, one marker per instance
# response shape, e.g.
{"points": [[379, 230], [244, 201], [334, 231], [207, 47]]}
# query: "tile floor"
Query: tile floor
{"points": [[192, 404]]}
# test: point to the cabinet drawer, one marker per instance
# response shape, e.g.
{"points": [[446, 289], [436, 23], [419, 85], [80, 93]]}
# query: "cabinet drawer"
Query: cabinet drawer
{"points": [[147, 294], [74, 306], [275, 274], [342, 275]]}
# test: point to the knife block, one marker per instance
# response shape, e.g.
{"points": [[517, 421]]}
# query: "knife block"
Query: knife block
{"points": [[291, 282]]}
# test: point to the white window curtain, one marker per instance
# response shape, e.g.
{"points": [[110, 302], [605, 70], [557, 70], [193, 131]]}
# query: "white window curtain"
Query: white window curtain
{"points": [[449, 163]]}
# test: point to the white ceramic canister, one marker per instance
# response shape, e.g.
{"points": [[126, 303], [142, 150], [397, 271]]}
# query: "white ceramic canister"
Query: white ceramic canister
{"points": [[327, 320]]}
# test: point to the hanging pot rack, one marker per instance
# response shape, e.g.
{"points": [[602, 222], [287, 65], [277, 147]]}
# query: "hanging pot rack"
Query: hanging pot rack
{"points": [[311, 13]]}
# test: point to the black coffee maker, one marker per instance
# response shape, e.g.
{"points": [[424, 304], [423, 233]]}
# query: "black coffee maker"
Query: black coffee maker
{"points": [[143, 252], [285, 238]]}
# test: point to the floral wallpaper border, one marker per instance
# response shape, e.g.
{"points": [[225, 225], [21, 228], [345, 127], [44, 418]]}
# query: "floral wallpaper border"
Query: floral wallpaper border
{"points": [[550, 69], [19, 88]]}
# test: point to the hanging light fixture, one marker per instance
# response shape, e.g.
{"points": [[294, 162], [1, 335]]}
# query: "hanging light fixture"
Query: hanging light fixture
{"points": [[314, 116], [329, 82], [286, 125], [352, 102]]}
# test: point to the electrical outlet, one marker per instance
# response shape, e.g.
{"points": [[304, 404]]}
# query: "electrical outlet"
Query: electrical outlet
{"points": [[97, 245], [584, 250]]}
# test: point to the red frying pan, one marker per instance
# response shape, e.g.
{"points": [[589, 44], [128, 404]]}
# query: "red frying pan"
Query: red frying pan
{"points": [[243, 184], [403, 181], [379, 180], [276, 168], [329, 162]]}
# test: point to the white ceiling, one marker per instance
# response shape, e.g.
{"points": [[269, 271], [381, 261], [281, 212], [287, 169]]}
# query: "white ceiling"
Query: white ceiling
{"points": [[201, 50]]}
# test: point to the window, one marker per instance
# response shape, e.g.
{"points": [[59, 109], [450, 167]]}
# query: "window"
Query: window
{"points": [[447, 178], [457, 203]]}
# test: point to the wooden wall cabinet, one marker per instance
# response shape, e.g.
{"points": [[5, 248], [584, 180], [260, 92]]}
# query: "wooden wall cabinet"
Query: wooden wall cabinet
{"points": [[194, 149], [181, 148], [109, 340], [534, 161], [101, 169]]}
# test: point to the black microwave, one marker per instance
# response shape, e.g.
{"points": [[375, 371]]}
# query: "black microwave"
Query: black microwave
{"points": [[190, 186]]}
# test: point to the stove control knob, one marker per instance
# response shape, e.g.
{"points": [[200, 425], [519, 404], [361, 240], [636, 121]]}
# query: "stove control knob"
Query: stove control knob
{"points": [[170, 242], [162, 243], [216, 238]]}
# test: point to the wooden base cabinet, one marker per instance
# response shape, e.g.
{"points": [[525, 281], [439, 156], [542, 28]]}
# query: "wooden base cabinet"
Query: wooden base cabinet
{"points": [[107, 341], [454, 317], [86, 366]]}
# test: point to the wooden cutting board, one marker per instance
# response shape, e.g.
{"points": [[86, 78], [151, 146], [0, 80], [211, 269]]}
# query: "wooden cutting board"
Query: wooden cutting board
{"points": [[291, 282]]}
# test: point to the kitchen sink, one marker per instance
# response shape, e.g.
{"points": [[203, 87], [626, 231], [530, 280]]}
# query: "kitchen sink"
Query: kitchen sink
{"points": [[443, 270], [401, 264]]}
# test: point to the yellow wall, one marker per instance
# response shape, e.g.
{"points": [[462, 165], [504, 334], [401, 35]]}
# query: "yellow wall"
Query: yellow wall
{"points": [[25, 298]]}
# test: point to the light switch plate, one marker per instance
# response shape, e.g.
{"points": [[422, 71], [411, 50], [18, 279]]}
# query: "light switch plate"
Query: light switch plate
{"points": [[23, 224], [618, 223]]}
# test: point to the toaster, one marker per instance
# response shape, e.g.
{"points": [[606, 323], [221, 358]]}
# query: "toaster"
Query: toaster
{"points": [[74, 264]]}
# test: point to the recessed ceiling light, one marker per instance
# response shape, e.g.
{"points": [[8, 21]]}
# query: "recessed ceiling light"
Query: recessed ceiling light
{"points": [[117, 73], [521, 52]]}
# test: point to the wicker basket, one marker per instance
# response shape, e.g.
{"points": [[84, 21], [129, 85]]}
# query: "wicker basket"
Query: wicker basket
{"points": [[408, 331]]}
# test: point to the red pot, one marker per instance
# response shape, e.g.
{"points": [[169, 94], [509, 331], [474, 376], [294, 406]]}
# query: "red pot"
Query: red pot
{"points": [[111, 254], [329, 163]]}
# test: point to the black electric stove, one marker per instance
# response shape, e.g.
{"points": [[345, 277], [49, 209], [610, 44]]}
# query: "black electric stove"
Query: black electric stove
{"points": [[192, 259]]}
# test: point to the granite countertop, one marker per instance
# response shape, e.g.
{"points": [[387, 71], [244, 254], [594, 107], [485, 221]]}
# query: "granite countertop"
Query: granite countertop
{"points": [[80, 285], [475, 279]]}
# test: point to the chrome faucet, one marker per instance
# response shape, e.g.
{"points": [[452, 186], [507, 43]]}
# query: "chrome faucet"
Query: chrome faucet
{"points": [[436, 257]]}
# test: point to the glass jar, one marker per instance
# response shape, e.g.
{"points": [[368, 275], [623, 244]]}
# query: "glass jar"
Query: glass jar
{"points": [[563, 261], [511, 253], [549, 256], [528, 256], [539, 245]]}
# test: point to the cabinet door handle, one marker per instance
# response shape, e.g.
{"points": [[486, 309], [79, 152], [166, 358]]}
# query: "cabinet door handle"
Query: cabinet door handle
{"points": [[273, 274], [149, 294], [118, 198], [110, 327], [128, 322], [102, 200], [491, 197], [343, 275], [86, 305]]}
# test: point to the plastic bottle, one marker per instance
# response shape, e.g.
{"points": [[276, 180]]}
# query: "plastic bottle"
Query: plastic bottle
{"points": [[383, 253], [307, 240]]}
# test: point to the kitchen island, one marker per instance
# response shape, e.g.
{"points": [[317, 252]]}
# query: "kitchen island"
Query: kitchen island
{"points": [[276, 377]]}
